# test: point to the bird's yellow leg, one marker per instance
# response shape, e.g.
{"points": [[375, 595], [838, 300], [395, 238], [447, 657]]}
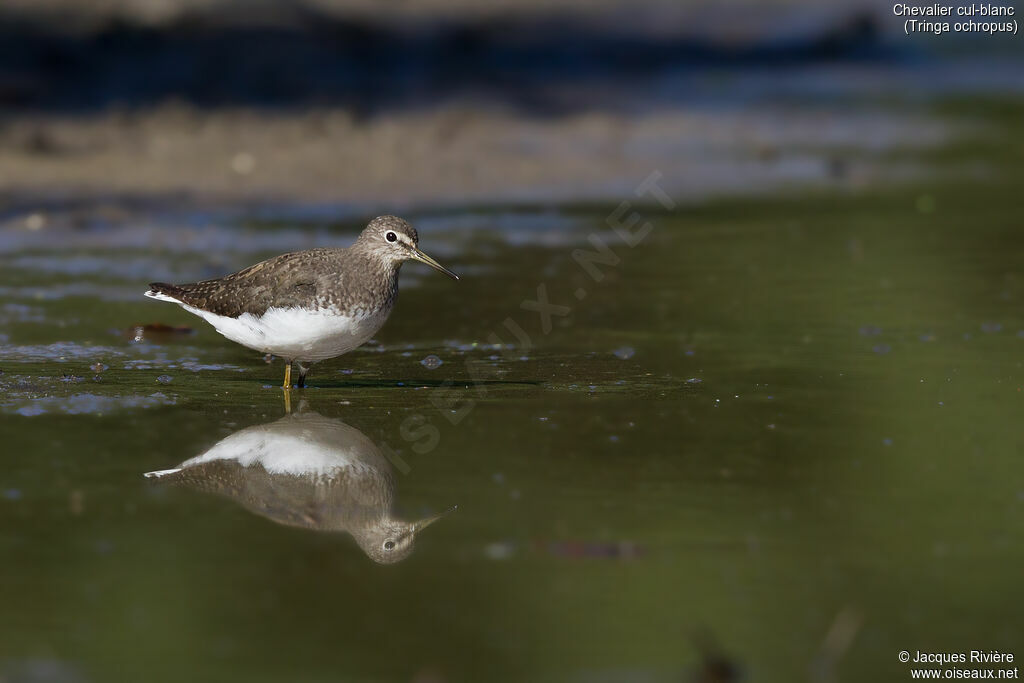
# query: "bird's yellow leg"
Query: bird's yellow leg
{"points": [[287, 387]]}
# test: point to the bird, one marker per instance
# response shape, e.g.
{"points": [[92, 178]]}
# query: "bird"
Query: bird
{"points": [[309, 471], [308, 306]]}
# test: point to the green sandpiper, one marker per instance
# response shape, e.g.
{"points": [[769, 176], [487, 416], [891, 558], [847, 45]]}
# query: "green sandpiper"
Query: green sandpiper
{"points": [[308, 306]]}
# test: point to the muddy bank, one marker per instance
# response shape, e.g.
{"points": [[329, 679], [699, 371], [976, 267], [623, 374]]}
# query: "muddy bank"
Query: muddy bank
{"points": [[452, 154]]}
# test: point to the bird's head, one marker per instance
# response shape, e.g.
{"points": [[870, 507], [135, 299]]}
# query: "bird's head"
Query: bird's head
{"points": [[393, 240], [391, 540]]}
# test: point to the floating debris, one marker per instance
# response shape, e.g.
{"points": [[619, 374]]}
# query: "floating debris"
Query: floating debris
{"points": [[98, 367], [624, 352], [165, 379], [431, 362], [156, 332]]}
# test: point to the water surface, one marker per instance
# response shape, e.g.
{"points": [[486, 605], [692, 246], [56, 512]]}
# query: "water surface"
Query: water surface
{"points": [[771, 421]]}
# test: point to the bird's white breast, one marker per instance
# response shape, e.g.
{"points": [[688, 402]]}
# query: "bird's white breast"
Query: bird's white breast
{"points": [[299, 334]]}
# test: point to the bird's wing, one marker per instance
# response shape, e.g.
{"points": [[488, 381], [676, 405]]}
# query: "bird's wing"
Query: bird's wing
{"points": [[281, 282]]}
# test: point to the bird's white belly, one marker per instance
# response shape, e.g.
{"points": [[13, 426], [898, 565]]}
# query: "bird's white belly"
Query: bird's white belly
{"points": [[298, 333], [280, 454]]}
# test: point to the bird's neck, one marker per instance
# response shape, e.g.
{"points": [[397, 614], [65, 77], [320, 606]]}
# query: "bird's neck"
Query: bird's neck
{"points": [[380, 275]]}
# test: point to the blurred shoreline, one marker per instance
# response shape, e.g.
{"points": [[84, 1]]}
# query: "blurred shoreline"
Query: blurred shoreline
{"points": [[319, 102]]}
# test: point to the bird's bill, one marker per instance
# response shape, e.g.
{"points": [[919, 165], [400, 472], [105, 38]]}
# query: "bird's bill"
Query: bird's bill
{"points": [[423, 258], [424, 523]]}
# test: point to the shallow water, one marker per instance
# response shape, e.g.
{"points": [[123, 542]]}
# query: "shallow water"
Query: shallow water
{"points": [[780, 432]]}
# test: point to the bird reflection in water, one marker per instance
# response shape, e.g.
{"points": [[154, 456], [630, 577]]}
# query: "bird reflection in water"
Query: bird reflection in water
{"points": [[308, 471]]}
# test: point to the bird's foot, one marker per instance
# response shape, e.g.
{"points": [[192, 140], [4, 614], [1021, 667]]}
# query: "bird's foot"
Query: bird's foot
{"points": [[302, 375]]}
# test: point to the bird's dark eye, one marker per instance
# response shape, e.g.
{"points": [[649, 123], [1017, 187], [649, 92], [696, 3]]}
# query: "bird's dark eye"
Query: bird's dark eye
{"points": [[388, 545], [391, 237]]}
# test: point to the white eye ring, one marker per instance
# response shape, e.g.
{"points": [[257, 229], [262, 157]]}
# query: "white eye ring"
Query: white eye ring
{"points": [[391, 237], [388, 545]]}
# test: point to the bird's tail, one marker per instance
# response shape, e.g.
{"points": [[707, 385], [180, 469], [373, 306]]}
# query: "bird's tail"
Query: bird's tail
{"points": [[165, 292], [157, 474]]}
